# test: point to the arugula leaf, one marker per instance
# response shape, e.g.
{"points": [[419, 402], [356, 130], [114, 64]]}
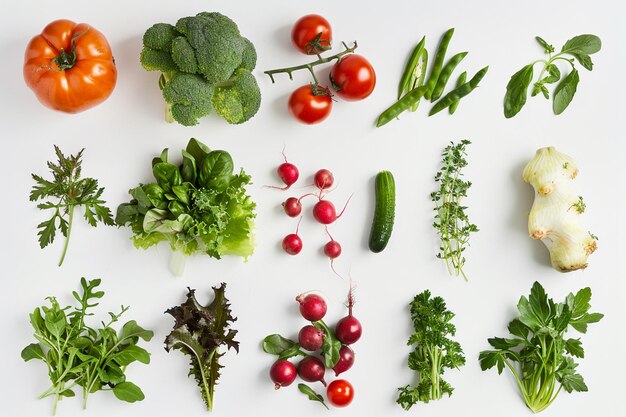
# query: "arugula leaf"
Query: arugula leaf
{"points": [[434, 351], [313, 396], [200, 331], [63, 195], [129, 392]]}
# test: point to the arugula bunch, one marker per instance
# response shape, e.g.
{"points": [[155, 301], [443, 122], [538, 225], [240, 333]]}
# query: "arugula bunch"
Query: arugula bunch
{"points": [[433, 352], [540, 356], [578, 49], [200, 331], [63, 194], [197, 206], [78, 355]]}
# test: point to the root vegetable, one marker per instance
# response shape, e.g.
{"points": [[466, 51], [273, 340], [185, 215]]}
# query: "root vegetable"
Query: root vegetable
{"points": [[311, 369], [348, 329], [293, 207], [292, 244], [288, 174], [324, 211], [310, 338], [346, 360], [312, 306], [324, 179], [555, 215], [282, 373]]}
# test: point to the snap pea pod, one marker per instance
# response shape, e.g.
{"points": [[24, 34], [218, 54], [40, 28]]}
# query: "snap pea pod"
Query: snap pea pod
{"points": [[446, 72], [401, 105], [420, 74], [459, 92], [438, 62], [459, 82], [408, 76]]}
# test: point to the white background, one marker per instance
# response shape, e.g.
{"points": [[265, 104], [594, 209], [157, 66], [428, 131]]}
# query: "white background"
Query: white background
{"points": [[122, 135]]}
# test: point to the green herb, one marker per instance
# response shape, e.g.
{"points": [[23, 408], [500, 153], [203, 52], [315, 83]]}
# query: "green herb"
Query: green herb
{"points": [[63, 195], [79, 355], [330, 346], [540, 356], [433, 352], [451, 222], [579, 205], [282, 347], [578, 49], [197, 206], [313, 396], [200, 331]]}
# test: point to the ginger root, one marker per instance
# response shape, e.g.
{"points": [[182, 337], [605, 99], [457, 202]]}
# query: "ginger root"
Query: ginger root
{"points": [[555, 216]]}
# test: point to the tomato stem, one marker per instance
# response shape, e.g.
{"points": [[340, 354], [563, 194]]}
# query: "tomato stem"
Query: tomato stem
{"points": [[67, 59], [310, 65]]}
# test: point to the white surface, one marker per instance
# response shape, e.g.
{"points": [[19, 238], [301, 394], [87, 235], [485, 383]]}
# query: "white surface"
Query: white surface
{"points": [[123, 134]]}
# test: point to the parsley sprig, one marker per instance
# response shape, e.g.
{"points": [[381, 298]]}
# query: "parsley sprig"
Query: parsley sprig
{"points": [[451, 222], [66, 191]]}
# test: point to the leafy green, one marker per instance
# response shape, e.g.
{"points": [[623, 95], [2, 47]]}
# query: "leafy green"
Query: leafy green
{"points": [[313, 396], [330, 346], [197, 206], [578, 48], [63, 194], [79, 355], [540, 357], [284, 348], [200, 331], [433, 352]]}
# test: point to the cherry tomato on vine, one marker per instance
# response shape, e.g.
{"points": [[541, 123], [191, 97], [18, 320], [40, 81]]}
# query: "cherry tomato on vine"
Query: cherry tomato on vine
{"points": [[353, 77], [69, 66], [340, 393], [310, 104], [305, 31]]}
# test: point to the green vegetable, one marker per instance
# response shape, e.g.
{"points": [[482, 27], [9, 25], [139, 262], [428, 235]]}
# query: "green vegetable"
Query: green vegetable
{"points": [[205, 64], [78, 355], [544, 357], [445, 74], [282, 347], [438, 63], [330, 346], [415, 69], [197, 206], [384, 214], [200, 331], [451, 222], [459, 92], [400, 106], [313, 396], [433, 353], [578, 48], [459, 82], [63, 194]]}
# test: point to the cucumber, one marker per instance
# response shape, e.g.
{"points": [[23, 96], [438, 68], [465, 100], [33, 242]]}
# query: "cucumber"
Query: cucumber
{"points": [[385, 211]]}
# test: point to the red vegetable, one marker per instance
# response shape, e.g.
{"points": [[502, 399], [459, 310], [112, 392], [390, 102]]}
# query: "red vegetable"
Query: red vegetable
{"points": [[340, 393], [311, 369], [346, 360], [324, 179], [310, 104], [282, 373], [292, 244], [310, 338], [348, 329], [353, 77], [312, 306], [293, 207], [311, 34]]}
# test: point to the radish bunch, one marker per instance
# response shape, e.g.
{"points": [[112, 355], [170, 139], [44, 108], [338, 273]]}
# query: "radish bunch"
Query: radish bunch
{"points": [[321, 347]]}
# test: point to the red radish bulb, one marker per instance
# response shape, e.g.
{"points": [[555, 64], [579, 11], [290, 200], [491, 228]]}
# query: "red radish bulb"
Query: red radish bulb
{"points": [[288, 173], [346, 360], [292, 244], [311, 369], [348, 329], [310, 338], [332, 249], [282, 373], [312, 306], [292, 207], [324, 212], [324, 179]]}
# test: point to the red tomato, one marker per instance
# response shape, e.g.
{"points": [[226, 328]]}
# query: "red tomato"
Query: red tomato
{"points": [[353, 77], [340, 393], [309, 107], [306, 29], [69, 66]]}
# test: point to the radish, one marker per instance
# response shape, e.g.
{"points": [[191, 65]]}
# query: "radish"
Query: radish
{"points": [[311, 369], [324, 179], [346, 360], [310, 338], [312, 306], [282, 373], [324, 211], [292, 244], [292, 207], [348, 329], [288, 174], [332, 249]]}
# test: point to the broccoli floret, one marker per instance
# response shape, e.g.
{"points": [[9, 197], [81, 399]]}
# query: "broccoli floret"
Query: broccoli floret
{"points": [[239, 98], [248, 57], [188, 97], [184, 56], [217, 43], [153, 60], [160, 36]]}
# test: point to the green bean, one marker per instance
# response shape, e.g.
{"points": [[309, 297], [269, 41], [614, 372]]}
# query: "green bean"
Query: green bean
{"points": [[420, 74], [446, 72], [459, 92], [408, 76], [438, 62], [459, 82], [401, 105]]}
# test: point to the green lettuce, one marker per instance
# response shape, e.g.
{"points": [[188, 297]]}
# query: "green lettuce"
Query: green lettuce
{"points": [[197, 206]]}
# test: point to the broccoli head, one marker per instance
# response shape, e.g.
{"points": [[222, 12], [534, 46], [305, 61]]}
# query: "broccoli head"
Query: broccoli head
{"points": [[248, 57], [188, 97], [160, 36], [238, 99], [155, 60], [184, 55]]}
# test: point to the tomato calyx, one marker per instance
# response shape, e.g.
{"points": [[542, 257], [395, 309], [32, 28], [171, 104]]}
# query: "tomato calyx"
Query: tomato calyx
{"points": [[333, 83], [318, 90], [67, 59], [317, 45]]}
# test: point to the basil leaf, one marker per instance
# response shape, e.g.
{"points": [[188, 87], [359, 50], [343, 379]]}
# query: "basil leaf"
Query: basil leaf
{"points": [[554, 74], [584, 60], [217, 169], [313, 396], [582, 44], [284, 348], [129, 392], [517, 90], [547, 48], [564, 92]]}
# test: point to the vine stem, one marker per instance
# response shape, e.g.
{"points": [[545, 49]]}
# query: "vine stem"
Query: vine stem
{"points": [[309, 66]]}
